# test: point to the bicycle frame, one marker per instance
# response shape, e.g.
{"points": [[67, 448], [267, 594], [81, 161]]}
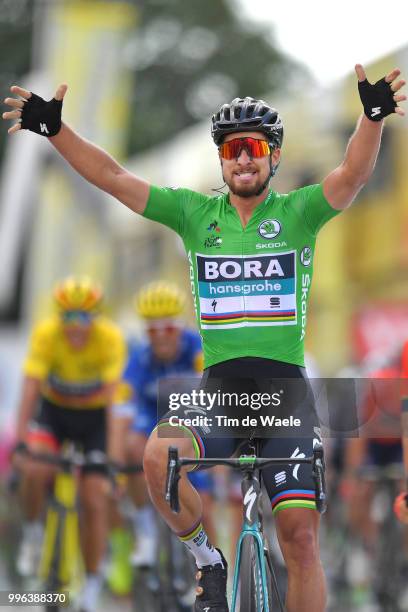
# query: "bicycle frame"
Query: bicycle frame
{"points": [[61, 539], [60, 564], [250, 465], [251, 494]]}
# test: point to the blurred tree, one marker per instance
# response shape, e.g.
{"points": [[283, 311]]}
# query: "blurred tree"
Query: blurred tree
{"points": [[191, 57], [16, 21], [188, 58]]}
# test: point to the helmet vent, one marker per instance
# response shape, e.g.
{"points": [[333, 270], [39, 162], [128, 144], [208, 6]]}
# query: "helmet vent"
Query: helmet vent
{"points": [[246, 115]]}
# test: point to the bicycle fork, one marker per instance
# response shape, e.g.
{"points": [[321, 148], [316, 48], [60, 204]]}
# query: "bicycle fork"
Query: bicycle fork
{"points": [[61, 531]]}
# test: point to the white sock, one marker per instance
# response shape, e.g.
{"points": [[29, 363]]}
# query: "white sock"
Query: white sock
{"points": [[144, 522], [198, 544], [90, 591], [33, 530]]}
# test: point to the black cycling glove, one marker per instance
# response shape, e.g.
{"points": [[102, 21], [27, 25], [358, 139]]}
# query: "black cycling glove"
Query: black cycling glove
{"points": [[41, 117], [377, 99]]}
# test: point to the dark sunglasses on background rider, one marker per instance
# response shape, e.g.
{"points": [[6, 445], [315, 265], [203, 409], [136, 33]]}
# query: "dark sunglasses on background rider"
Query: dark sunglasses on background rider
{"points": [[78, 317]]}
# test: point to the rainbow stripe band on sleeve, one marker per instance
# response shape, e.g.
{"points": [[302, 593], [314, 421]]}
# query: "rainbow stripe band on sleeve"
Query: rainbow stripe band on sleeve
{"points": [[293, 498], [198, 444]]}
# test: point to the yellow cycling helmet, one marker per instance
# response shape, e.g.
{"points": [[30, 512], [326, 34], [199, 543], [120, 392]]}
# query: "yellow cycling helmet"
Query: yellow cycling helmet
{"points": [[78, 293], [159, 300]]}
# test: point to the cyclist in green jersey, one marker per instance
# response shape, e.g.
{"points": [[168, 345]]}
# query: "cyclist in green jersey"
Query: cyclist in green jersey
{"points": [[250, 254]]}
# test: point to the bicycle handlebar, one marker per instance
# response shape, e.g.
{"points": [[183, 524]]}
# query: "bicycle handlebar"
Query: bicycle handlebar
{"points": [[73, 460], [246, 463], [79, 459], [76, 459]]}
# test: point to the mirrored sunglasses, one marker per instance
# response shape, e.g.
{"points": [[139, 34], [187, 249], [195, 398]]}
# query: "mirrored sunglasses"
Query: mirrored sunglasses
{"points": [[254, 147]]}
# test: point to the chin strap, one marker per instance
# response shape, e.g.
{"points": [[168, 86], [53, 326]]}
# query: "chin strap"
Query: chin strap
{"points": [[272, 171]]}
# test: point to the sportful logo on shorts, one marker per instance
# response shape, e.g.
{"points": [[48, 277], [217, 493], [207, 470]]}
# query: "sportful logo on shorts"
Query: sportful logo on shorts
{"points": [[251, 290]]}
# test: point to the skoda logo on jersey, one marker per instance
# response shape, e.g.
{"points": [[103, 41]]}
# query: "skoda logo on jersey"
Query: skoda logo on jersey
{"points": [[306, 256], [269, 228]]}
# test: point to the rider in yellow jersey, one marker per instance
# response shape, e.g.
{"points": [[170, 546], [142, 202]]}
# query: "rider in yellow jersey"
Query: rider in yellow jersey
{"points": [[74, 362]]}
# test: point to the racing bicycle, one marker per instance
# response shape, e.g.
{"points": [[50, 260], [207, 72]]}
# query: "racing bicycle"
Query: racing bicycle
{"points": [[255, 585], [61, 568]]}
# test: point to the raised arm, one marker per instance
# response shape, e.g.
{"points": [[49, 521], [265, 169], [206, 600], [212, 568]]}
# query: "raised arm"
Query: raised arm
{"points": [[90, 161], [343, 184]]}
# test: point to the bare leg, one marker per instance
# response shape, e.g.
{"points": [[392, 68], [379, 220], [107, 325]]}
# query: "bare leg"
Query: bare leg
{"points": [[33, 488], [298, 537], [94, 528], [136, 444], [155, 468]]}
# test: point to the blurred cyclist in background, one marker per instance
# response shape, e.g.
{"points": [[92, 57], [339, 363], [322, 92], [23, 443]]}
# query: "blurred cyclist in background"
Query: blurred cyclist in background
{"points": [[401, 503], [74, 362], [170, 350], [377, 448]]}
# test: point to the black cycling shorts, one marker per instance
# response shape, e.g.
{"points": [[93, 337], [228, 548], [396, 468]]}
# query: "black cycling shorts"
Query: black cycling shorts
{"points": [[382, 454], [289, 485], [86, 427]]}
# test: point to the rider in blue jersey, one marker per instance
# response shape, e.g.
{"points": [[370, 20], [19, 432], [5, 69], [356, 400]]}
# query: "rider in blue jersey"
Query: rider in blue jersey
{"points": [[170, 350], [144, 369]]}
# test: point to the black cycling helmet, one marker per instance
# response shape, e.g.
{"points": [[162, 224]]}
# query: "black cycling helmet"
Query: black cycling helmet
{"points": [[247, 115]]}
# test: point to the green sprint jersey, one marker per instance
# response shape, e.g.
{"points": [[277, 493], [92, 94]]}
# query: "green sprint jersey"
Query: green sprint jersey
{"points": [[250, 285]]}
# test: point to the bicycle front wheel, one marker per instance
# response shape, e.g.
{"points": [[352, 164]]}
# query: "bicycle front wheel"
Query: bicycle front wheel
{"points": [[250, 580]]}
